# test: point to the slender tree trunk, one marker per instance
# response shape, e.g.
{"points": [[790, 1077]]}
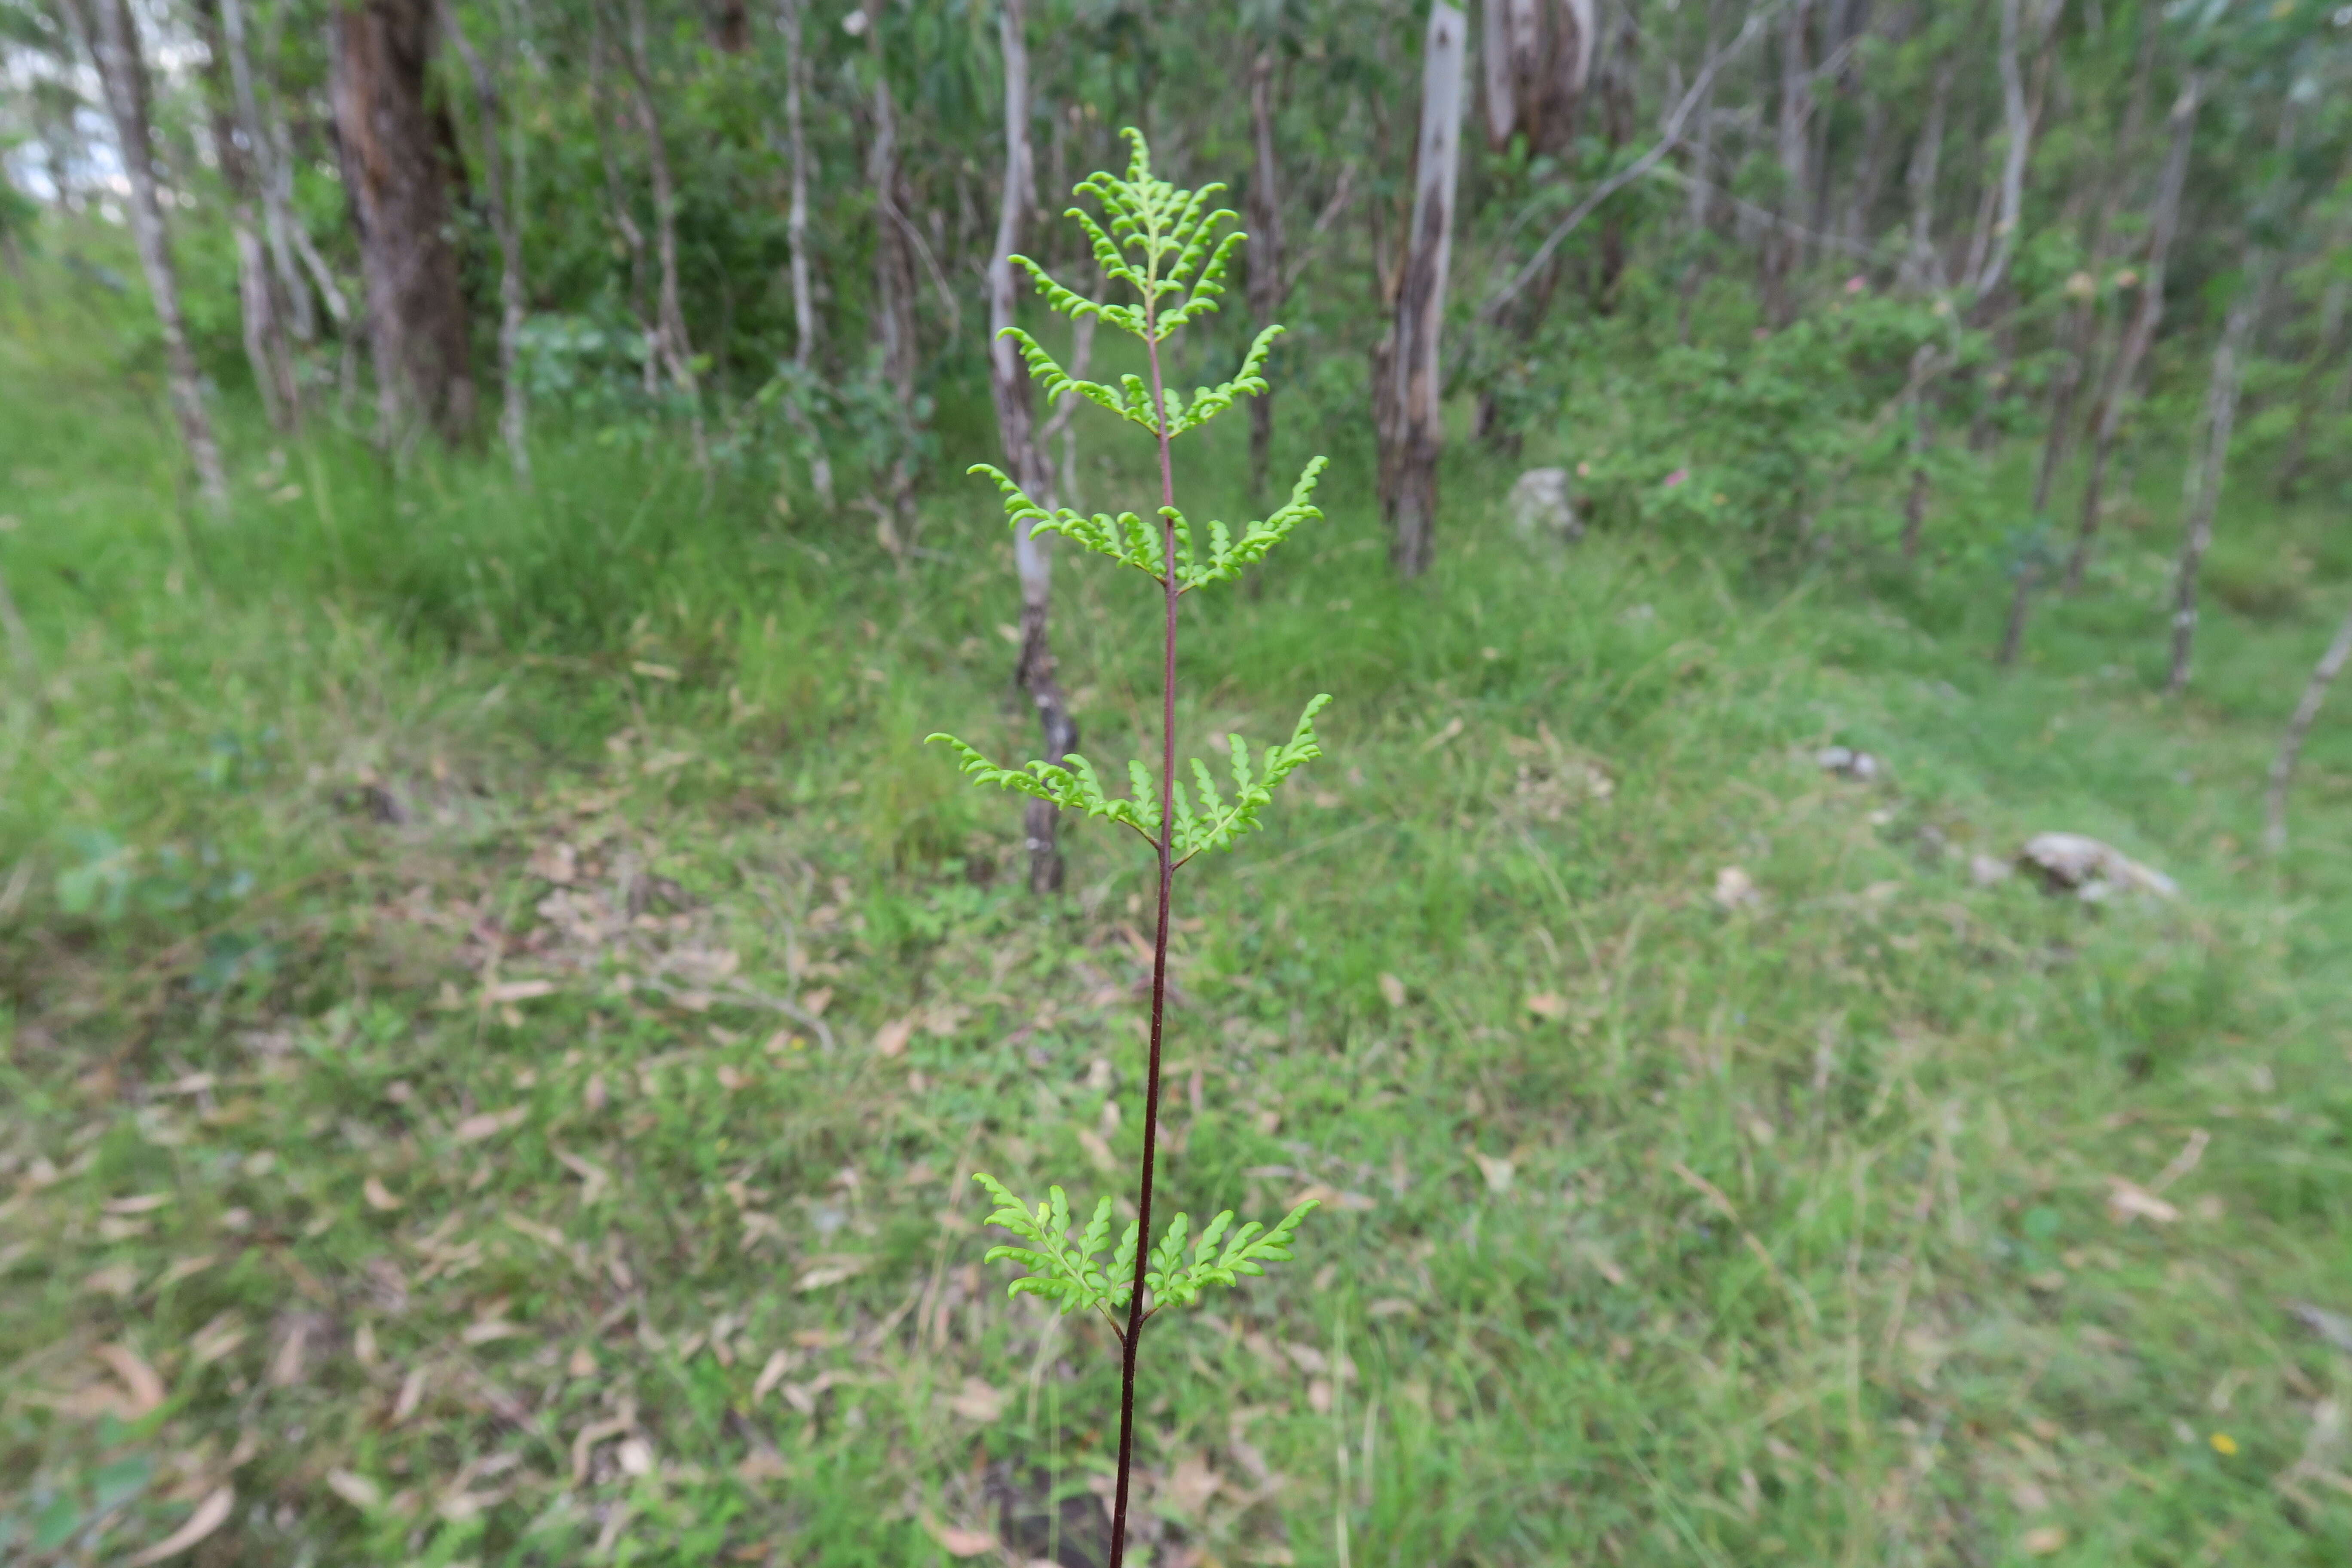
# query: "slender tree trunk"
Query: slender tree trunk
{"points": [[1410, 417], [123, 74], [2290, 752], [393, 170], [616, 200], [1702, 146], [2147, 312], [2018, 144], [677, 348], [514, 408], [894, 277], [261, 310], [1008, 381], [2327, 345], [2077, 333], [265, 137], [1783, 242], [1923, 268], [1265, 254], [797, 235], [1923, 441], [1870, 179], [2210, 461], [1618, 107], [797, 216]]}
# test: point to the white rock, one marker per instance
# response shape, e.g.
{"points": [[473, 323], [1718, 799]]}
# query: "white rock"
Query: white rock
{"points": [[1849, 764], [1540, 508], [1985, 869], [2078, 863]]}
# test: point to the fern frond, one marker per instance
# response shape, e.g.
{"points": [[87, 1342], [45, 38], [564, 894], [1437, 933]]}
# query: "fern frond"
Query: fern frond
{"points": [[1058, 1272], [1125, 538], [1073, 1277], [1174, 1281], [1208, 402], [1219, 825], [1073, 788], [1228, 557]]}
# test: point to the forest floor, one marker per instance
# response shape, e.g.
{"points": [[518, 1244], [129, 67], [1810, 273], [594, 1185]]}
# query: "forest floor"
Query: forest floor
{"points": [[501, 1011]]}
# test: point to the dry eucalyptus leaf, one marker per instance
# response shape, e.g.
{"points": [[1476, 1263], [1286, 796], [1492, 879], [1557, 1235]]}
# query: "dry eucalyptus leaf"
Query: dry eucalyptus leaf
{"points": [[379, 1196], [977, 1401], [146, 1388], [355, 1489], [959, 1542], [210, 1515]]}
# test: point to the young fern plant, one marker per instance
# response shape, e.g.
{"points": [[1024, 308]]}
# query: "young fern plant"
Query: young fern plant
{"points": [[1164, 244]]}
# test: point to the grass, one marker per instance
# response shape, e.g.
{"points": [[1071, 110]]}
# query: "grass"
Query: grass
{"points": [[501, 1011]]}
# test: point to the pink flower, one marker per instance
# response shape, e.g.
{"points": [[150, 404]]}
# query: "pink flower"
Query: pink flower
{"points": [[1854, 285], [1678, 477]]}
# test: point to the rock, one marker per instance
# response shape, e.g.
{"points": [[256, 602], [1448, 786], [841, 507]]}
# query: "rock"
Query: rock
{"points": [[2092, 871], [1541, 510], [1985, 869], [1736, 889], [1849, 764]]}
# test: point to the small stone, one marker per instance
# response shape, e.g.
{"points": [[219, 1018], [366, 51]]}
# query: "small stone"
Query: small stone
{"points": [[1540, 508], [2091, 870]]}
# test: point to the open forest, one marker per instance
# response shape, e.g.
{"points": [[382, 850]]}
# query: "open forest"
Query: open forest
{"points": [[1788, 1001]]}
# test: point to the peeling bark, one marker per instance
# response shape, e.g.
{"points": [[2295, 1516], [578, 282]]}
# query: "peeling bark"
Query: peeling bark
{"points": [[1410, 386]]}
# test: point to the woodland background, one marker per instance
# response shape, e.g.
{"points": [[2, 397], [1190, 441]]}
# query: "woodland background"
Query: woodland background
{"points": [[501, 1006]]}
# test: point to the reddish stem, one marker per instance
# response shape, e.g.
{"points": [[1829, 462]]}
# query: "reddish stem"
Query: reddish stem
{"points": [[1166, 845]]}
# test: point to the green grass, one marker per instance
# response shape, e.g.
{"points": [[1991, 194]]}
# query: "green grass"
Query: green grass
{"points": [[397, 882]]}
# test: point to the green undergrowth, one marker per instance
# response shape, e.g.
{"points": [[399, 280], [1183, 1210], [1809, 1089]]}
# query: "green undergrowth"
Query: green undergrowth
{"points": [[481, 1089]]}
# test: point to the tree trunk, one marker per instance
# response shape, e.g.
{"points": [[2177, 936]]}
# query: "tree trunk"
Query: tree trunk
{"points": [[1535, 56], [731, 26], [1008, 383], [265, 137], [1409, 416], [514, 411], [1923, 268], [1923, 439], [797, 216], [893, 277], [2290, 752], [677, 348], [2163, 218], [2077, 334], [1986, 280], [616, 201], [1783, 242], [1618, 107], [1702, 159], [260, 309], [796, 233], [1264, 254], [393, 170], [122, 75], [2326, 348], [2211, 462]]}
